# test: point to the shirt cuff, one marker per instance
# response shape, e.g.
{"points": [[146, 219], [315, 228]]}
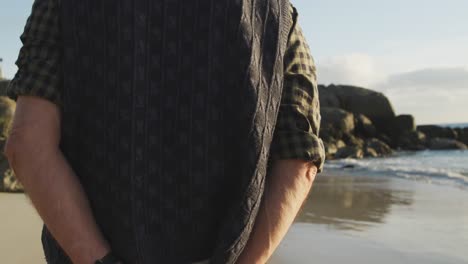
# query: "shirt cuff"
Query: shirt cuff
{"points": [[35, 79], [297, 144]]}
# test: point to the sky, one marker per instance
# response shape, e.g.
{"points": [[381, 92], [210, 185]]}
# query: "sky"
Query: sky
{"points": [[414, 51]]}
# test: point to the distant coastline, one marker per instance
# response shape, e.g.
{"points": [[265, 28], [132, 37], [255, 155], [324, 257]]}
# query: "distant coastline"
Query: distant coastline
{"points": [[453, 125]]}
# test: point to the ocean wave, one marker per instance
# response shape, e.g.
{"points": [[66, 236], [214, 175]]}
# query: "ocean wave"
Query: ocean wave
{"points": [[427, 166]]}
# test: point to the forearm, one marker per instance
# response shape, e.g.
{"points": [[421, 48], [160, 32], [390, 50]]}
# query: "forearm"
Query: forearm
{"points": [[60, 201], [286, 189]]}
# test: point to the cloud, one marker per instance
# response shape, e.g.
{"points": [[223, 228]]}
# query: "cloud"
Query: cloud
{"points": [[436, 95], [357, 69], [455, 77], [433, 95]]}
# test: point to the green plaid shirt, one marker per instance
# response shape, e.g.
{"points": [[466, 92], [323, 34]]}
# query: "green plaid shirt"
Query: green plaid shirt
{"points": [[297, 129]]}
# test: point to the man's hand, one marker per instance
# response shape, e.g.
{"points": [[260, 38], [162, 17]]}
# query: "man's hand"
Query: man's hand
{"points": [[286, 189], [33, 152]]}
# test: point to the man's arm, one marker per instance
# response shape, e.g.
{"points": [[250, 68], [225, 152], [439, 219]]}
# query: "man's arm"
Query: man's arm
{"points": [[289, 184], [32, 148], [33, 152], [297, 153]]}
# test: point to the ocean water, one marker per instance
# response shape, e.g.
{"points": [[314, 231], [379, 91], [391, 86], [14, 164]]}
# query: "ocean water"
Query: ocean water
{"points": [[441, 166], [444, 166], [454, 125]]}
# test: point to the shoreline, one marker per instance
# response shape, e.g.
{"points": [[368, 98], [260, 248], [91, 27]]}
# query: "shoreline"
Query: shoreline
{"points": [[355, 219], [378, 219]]}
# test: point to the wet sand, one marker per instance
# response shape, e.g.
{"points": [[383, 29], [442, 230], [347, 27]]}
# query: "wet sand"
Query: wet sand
{"points": [[346, 219], [378, 220]]}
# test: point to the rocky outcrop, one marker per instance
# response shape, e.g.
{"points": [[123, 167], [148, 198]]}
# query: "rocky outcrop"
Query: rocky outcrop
{"points": [[433, 131], [356, 122], [378, 146], [365, 122], [349, 152], [357, 100], [3, 86], [364, 126], [462, 135], [412, 140], [7, 110], [445, 143], [335, 122], [8, 181], [402, 124]]}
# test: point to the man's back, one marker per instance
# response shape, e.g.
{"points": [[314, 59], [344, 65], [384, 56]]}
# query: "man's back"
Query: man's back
{"points": [[169, 109], [161, 105]]}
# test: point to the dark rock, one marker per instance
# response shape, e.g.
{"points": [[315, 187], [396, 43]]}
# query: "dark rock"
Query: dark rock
{"points": [[340, 144], [405, 123], [445, 144], [412, 140], [370, 152], [385, 138], [352, 140], [332, 147], [364, 126], [380, 147], [330, 150], [10, 183], [463, 135], [372, 104], [328, 97], [335, 122], [349, 152], [432, 131], [3, 86], [402, 124], [7, 111]]}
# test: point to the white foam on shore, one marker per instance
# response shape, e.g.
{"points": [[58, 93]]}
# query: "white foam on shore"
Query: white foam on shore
{"points": [[428, 166]]}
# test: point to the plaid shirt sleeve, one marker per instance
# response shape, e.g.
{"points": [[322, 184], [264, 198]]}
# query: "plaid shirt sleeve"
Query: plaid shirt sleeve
{"points": [[296, 133], [39, 58]]}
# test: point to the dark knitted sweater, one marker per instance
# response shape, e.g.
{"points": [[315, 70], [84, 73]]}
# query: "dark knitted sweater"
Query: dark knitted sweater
{"points": [[169, 108]]}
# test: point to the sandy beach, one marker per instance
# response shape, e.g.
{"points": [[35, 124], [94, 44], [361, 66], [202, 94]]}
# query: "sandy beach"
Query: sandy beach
{"points": [[347, 219], [20, 231]]}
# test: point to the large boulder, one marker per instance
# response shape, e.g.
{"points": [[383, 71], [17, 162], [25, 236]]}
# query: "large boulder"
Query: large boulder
{"points": [[357, 100], [335, 122], [378, 146], [445, 144], [3, 86], [463, 135], [332, 147], [433, 131], [349, 152], [352, 140], [7, 111], [412, 140], [370, 153], [405, 123], [402, 124], [364, 126], [10, 183], [330, 150]]}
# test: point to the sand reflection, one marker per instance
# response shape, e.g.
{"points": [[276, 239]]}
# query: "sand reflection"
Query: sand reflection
{"points": [[354, 203]]}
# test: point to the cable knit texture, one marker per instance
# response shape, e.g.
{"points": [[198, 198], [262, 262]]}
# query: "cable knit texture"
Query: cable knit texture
{"points": [[169, 108]]}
